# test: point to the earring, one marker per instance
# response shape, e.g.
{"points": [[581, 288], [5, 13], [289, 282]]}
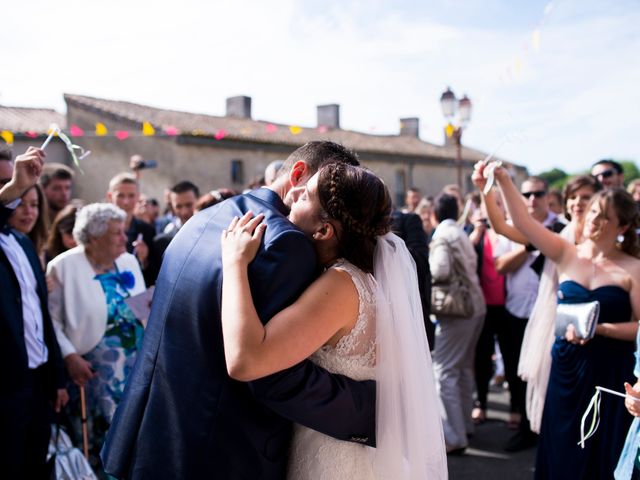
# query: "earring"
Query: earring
{"points": [[620, 238]]}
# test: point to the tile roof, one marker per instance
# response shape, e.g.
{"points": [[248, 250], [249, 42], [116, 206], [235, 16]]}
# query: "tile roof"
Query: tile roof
{"points": [[258, 131], [22, 119]]}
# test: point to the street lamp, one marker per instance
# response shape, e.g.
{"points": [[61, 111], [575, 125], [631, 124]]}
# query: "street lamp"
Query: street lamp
{"points": [[458, 115]]}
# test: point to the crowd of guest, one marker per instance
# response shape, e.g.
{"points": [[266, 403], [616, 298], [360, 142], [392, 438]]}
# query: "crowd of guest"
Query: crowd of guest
{"points": [[492, 269]]}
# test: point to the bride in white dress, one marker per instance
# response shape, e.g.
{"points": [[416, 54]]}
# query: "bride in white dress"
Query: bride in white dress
{"points": [[361, 318]]}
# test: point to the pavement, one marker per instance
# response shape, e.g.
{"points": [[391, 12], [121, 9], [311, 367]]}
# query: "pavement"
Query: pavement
{"points": [[485, 457]]}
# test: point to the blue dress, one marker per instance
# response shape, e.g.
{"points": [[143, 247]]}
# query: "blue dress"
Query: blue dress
{"points": [[575, 372], [630, 457], [112, 359]]}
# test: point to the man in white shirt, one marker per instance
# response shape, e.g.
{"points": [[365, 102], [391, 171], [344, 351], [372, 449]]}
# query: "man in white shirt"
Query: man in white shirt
{"points": [[522, 268], [30, 362]]}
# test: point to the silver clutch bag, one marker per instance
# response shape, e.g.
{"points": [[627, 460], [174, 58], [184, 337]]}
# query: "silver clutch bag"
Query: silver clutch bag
{"points": [[583, 317]]}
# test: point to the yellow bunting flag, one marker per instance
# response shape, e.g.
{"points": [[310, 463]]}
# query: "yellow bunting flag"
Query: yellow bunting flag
{"points": [[101, 129], [449, 130], [517, 66], [535, 40], [295, 130], [148, 130], [7, 136]]}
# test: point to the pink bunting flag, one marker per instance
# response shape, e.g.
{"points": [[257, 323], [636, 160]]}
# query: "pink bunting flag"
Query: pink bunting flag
{"points": [[173, 131], [31, 134], [76, 131], [122, 134], [271, 128], [220, 134]]}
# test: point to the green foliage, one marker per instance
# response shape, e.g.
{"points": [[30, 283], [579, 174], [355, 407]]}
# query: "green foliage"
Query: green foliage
{"points": [[631, 171], [557, 178]]}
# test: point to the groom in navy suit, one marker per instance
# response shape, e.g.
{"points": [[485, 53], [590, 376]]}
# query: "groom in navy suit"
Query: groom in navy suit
{"points": [[182, 417]]}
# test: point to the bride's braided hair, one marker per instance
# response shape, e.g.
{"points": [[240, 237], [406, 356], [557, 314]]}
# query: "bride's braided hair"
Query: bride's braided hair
{"points": [[360, 202]]}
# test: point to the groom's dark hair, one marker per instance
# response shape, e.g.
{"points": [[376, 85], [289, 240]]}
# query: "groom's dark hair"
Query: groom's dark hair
{"points": [[319, 153]]}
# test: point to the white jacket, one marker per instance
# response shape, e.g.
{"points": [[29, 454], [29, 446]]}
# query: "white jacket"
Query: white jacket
{"points": [[77, 303]]}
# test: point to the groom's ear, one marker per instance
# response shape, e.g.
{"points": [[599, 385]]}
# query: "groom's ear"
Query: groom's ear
{"points": [[299, 173]]}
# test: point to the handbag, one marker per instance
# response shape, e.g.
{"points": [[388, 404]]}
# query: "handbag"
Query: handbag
{"points": [[583, 317], [66, 461], [451, 297]]}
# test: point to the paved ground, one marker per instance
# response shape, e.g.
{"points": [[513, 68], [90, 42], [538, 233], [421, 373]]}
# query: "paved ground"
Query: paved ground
{"points": [[485, 458]]}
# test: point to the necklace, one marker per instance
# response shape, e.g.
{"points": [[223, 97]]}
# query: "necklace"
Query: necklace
{"points": [[99, 268]]}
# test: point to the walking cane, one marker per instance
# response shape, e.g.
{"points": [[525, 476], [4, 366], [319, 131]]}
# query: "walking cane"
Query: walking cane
{"points": [[83, 418]]}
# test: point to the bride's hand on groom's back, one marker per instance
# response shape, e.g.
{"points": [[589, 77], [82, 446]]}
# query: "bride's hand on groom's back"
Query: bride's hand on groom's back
{"points": [[241, 240]]}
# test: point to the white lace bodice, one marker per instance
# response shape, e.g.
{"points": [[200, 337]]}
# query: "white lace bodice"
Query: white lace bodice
{"points": [[315, 455]]}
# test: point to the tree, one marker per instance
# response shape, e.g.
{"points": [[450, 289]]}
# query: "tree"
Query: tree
{"points": [[631, 171], [555, 178]]}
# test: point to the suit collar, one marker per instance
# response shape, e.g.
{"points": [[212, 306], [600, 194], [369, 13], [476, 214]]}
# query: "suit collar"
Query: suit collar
{"points": [[272, 198]]}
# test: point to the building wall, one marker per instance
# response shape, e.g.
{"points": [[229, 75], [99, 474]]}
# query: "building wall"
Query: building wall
{"points": [[208, 163]]}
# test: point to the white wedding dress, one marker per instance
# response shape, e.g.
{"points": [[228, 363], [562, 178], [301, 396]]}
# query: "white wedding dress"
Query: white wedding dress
{"points": [[316, 456], [387, 343]]}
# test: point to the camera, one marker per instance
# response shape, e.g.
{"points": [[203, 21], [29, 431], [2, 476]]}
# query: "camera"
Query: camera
{"points": [[148, 164]]}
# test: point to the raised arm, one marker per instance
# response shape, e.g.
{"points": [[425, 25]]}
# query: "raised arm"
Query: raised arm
{"points": [[550, 244], [494, 212], [254, 350]]}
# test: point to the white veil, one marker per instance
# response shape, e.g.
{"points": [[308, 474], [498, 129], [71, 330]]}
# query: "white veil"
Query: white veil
{"points": [[410, 442]]}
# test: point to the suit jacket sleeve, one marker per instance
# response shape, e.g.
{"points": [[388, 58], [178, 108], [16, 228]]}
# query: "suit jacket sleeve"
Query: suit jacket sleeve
{"points": [[306, 393]]}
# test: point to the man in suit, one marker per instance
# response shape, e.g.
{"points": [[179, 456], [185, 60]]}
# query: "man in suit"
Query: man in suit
{"points": [[182, 197], [182, 416], [124, 192], [408, 227], [30, 361]]}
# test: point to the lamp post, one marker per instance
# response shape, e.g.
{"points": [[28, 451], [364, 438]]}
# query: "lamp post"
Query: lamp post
{"points": [[458, 115]]}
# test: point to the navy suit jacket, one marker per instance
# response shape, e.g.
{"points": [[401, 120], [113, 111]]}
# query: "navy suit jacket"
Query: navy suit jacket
{"points": [[14, 363], [182, 416]]}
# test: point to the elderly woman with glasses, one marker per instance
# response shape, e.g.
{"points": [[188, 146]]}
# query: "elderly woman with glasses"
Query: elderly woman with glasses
{"points": [[98, 333]]}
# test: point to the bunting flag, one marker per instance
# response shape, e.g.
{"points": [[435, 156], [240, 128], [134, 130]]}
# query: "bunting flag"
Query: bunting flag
{"points": [[7, 136], [148, 130], [76, 131], [535, 40], [101, 129]]}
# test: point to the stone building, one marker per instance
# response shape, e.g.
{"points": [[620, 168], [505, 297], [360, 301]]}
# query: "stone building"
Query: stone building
{"points": [[232, 150]]}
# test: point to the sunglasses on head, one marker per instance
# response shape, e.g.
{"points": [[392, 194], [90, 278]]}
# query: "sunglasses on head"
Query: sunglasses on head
{"points": [[537, 194], [605, 174]]}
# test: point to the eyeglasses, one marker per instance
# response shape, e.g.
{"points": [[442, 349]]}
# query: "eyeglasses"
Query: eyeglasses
{"points": [[537, 194], [604, 174]]}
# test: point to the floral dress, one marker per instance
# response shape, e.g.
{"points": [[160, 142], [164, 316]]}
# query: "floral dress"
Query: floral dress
{"points": [[112, 359]]}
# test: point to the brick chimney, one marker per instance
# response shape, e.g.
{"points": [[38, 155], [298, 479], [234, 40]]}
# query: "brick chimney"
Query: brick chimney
{"points": [[410, 127], [239, 107], [329, 116]]}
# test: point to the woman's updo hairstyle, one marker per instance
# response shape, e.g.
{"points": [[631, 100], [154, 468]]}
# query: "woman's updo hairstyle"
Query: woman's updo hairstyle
{"points": [[627, 212], [360, 201]]}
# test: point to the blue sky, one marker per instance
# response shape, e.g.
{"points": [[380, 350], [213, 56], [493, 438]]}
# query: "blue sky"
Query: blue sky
{"points": [[565, 104]]}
